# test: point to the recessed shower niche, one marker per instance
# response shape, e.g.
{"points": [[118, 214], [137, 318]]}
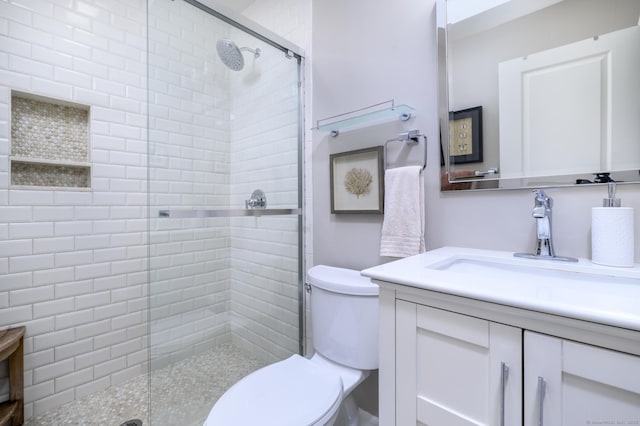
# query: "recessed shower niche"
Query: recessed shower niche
{"points": [[49, 142]]}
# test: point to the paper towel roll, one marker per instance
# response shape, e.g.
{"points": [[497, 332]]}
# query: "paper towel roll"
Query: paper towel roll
{"points": [[612, 236]]}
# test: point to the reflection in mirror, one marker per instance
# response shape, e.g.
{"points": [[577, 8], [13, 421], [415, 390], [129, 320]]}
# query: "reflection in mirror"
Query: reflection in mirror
{"points": [[557, 83]]}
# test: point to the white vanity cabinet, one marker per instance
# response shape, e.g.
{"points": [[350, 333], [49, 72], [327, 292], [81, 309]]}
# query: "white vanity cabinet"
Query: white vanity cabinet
{"points": [[569, 383], [454, 369], [463, 362]]}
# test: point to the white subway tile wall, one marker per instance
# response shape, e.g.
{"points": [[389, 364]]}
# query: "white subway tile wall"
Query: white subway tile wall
{"points": [[74, 262], [189, 111], [73, 265], [264, 155], [291, 19], [220, 134]]}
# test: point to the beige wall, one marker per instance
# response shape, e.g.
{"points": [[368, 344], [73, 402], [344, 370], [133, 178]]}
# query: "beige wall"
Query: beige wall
{"points": [[362, 58], [390, 52]]}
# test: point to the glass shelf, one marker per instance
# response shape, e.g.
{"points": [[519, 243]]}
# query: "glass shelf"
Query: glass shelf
{"points": [[365, 116]]}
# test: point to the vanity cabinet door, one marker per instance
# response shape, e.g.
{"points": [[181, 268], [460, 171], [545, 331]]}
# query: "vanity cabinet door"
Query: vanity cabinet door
{"points": [[570, 384], [453, 369]]}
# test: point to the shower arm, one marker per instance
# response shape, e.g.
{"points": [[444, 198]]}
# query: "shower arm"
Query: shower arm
{"points": [[256, 52]]}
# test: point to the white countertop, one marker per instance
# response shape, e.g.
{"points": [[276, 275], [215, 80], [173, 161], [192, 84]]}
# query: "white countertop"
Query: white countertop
{"points": [[582, 290]]}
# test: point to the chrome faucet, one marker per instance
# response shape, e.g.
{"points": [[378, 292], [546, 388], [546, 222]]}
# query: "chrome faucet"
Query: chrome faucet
{"points": [[544, 242], [542, 214]]}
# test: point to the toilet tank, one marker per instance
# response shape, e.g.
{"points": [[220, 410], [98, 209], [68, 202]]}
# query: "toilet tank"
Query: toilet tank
{"points": [[344, 316]]}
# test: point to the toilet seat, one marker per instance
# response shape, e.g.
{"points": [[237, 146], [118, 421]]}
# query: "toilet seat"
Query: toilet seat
{"points": [[291, 392]]}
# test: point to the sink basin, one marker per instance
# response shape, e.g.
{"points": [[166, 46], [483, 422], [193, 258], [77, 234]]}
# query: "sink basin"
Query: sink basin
{"points": [[544, 271], [581, 290]]}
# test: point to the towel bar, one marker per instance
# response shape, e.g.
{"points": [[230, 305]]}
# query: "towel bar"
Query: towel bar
{"points": [[410, 138]]}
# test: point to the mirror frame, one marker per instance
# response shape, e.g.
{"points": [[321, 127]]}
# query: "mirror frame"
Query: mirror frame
{"points": [[481, 183]]}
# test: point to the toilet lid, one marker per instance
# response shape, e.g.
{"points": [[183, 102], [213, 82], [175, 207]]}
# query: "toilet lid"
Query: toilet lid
{"points": [[340, 280], [292, 392]]}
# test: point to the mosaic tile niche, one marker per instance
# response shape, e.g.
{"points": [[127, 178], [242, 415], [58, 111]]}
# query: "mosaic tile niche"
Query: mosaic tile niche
{"points": [[49, 143]]}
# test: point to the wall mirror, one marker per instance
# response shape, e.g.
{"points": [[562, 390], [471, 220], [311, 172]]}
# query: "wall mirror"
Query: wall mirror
{"points": [[538, 92]]}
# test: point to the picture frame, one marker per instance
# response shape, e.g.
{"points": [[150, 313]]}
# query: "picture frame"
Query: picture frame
{"points": [[465, 136], [357, 181]]}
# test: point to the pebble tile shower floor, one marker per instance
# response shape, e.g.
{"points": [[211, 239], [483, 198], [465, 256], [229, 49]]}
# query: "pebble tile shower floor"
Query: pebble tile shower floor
{"points": [[182, 393]]}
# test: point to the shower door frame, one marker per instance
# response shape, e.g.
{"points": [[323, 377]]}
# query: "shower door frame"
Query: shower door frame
{"points": [[297, 54], [292, 52]]}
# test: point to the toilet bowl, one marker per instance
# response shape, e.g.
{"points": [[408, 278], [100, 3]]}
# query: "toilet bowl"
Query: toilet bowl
{"points": [[299, 391]]}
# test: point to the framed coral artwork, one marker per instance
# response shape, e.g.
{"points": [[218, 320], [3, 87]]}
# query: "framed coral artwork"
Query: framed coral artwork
{"points": [[357, 181]]}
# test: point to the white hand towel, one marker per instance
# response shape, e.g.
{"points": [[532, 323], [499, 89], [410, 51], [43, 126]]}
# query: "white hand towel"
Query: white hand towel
{"points": [[403, 225]]}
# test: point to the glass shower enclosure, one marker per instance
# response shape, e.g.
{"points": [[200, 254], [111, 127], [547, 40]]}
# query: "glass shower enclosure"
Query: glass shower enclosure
{"points": [[225, 263]]}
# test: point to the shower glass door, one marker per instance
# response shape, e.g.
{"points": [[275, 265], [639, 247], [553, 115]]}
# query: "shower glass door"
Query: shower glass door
{"points": [[224, 280]]}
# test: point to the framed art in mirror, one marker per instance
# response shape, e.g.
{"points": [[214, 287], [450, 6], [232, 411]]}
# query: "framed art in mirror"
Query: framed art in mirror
{"points": [[357, 184], [465, 142]]}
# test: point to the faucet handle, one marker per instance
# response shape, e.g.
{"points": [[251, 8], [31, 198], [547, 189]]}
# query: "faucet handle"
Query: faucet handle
{"points": [[540, 194], [258, 200], [542, 198]]}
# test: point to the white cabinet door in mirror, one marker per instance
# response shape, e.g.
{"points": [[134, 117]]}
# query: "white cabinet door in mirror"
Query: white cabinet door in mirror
{"points": [[563, 104]]}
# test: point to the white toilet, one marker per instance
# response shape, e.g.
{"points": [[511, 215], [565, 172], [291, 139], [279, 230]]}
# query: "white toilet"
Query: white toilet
{"points": [[317, 391]]}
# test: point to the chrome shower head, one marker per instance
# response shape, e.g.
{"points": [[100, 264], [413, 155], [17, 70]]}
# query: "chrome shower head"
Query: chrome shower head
{"points": [[231, 55]]}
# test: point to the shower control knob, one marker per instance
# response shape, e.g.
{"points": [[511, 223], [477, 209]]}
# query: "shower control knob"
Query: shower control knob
{"points": [[258, 200]]}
